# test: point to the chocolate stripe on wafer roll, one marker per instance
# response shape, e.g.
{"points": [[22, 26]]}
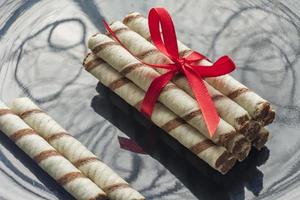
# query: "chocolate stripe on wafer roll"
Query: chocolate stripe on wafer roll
{"points": [[176, 99], [217, 97], [57, 136], [228, 110], [84, 161], [216, 156], [132, 16], [172, 124], [5, 112], [201, 146], [191, 115], [74, 151], [120, 30], [249, 100], [46, 156], [67, 178], [145, 54], [117, 187], [25, 114], [118, 83], [104, 45], [130, 68], [21, 133], [90, 66], [237, 93]]}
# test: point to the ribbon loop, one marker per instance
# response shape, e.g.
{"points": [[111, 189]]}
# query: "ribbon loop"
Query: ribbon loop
{"points": [[163, 36], [159, 17]]}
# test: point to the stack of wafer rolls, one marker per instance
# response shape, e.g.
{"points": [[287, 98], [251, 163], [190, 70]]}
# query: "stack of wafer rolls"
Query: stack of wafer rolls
{"points": [[113, 185], [243, 113], [258, 108], [230, 111], [174, 98], [50, 160], [255, 105], [216, 156]]}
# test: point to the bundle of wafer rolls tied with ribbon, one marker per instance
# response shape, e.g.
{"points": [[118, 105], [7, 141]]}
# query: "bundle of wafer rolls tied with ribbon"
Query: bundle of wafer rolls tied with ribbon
{"points": [[63, 157], [193, 99]]}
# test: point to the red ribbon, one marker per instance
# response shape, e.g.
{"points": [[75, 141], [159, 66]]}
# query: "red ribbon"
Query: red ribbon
{"points": [[130, 145], [165, 40]]}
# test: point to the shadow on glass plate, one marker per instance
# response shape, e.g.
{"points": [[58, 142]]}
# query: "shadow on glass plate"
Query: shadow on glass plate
{"points": [[194, 173]]}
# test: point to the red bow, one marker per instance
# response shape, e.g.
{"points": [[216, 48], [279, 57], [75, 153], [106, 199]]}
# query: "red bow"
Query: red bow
{"points": [[165, 40]]}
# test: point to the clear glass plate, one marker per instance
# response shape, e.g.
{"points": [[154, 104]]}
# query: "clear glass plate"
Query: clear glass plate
{"points": [[43, 43]]}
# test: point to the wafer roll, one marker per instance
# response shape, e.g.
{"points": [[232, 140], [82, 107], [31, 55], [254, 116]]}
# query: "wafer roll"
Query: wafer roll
{"points": [[113, 185], [270, 116], [262, 139], [256, 106], [228, 110], [171, 96], [216, 156], [47, 157]]}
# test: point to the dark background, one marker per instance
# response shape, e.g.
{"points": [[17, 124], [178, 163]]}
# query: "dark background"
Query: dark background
{"points": [[42, 44]]}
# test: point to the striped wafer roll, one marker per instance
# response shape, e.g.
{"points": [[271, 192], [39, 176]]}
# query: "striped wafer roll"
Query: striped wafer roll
{"points": [[262, 139], [47, 157], [171, 96], [256, 106], [216, 156], [114, 186], [228, 110]]}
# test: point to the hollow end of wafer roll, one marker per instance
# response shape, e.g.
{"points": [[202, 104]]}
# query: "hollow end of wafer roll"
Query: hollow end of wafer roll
{"points": [[225, 139], [225, 162], [260, 142], [244, 153], [238, 145], [244, 125], [244, 128], [85, 58], [269, 117], [261, 111], [252, 132]]}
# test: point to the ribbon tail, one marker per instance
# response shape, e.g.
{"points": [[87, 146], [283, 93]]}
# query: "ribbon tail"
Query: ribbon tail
{"points": [[204, 101], [222, 66], [130, 145], [153, 92]]}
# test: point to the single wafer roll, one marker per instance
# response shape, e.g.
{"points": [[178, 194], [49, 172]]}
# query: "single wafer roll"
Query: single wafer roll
{"points": [[256, 106], [113, 185], [47, 157], [262, 139], [216, 156], [228, 110], [171, 96]]}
